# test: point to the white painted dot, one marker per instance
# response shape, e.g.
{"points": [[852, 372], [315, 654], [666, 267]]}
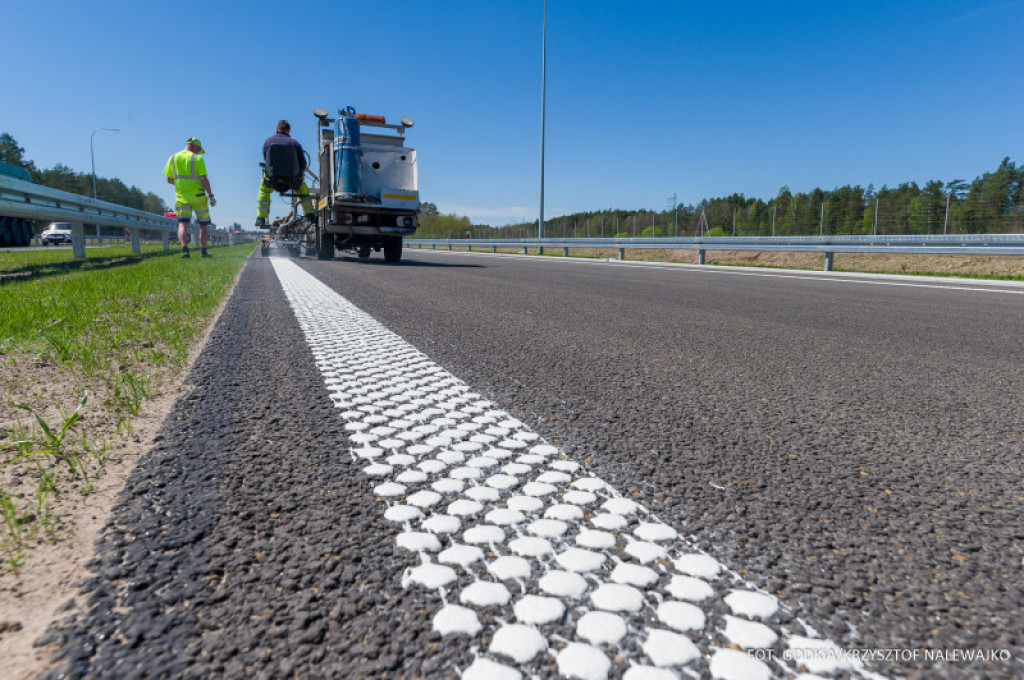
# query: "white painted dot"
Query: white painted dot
{"points": [[665, 648], [418, 541], [431, 467], [531, 546], [483, 494], [512, 444], [368, 452], [378, 470], [641, 672], [485, 669], [620, 506], [539, 489], [502, 482], [482, 462], [589, 484], [526, 436], [464, 508], [485, 594], [819, 656], [655, 532], [453, 619], [516, 469], [428, 575], [749, 634], [549, 528], [536, 609], [424, 499], [580, 560], [525, 503], [615, 597], [582, 661], [451, 457], [609, 521], [391, 444], [564, 512], [589, 538], [389, 489], [563, 583], [462, 555], [751, 604], [466, 473], [565, 466], [509, 567], [484, 534], [579, 497], [518, 642], [419, 450], [500, 454], [467, 447], [530, 459], [645, 552], [402, 459], [601, 628], [553, 477], [698, 564], [634, 575], [690, 588], [362, 438], [402, 513], [448, 486], [442, 524], [730, 664], [681, 615], [356, 427], [544, 450], [504, 516]]}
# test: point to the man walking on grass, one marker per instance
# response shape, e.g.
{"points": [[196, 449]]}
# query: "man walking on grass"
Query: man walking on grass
{"points": [[186, 170]]}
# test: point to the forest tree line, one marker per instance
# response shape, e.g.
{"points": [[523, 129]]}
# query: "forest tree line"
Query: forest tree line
{"points": [[992, 203], [64, 178]]}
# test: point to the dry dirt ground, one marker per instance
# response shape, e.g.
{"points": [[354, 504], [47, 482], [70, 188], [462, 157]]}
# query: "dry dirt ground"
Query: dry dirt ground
{"points": [[35, 596]]}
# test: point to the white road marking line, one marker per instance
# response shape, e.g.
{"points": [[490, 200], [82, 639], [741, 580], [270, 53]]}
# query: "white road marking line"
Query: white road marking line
{"points": [[607, 584]]}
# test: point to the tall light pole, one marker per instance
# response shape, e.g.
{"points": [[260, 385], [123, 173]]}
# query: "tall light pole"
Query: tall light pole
{"points": [[543, 109], [93, 155]]}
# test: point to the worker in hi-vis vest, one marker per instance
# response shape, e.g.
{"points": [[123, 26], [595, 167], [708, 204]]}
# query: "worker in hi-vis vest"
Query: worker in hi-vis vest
{"points": [[186, 170]]}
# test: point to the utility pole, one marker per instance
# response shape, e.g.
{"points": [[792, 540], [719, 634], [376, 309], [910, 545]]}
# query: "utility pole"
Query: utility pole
{"points": [[945, 222], [874, 228], [92, 154], [543, 109], [734, 221], [821, 225], [774, 209]]}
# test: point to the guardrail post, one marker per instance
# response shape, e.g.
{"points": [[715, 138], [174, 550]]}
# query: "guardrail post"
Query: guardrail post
{"points": [[136, 241], [622, 253], [469, 247], [494, 249], [524, 250], [165, 239], [78, 240], [449, 247], [565, 252], [828, 261], [701, 256]]}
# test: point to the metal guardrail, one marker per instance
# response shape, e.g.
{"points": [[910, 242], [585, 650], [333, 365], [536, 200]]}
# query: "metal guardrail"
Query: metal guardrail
{"points": [[19, 198], [952, 244]]}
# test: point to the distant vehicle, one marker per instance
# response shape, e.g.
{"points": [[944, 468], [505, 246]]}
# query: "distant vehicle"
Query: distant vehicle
{"points": [[57, 232], [170, 214]]}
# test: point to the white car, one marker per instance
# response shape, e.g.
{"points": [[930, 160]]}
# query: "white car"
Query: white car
{"points": [[58, 232]]}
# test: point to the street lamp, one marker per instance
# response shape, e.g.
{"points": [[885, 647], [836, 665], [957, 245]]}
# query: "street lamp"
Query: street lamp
{"points": [[543, 96], [93, 155]]}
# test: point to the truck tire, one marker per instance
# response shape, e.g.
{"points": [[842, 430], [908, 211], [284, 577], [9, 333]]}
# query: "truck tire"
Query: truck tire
{"points": [[5, 230], [324, 245], [364, 252], [22, 233], [393, 250]]}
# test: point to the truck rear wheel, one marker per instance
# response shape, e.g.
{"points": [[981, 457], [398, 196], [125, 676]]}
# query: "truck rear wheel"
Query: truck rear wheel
{"points": [[393, 250], [5, 230], [364, 252], [324, 245]]}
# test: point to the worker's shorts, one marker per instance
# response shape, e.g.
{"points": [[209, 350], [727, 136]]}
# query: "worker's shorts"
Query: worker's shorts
{"points": [[184, 205]]}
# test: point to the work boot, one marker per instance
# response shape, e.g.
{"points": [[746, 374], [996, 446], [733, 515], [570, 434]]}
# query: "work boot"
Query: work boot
{"points": [[261, 222], [184, 252], [206, 254]]}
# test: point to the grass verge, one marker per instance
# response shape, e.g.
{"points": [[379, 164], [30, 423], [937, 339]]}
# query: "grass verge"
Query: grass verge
{"points": [[83, 345]]}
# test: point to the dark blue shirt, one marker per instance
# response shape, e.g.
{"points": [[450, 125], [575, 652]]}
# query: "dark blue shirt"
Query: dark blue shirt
{"points": [[283, 139]]}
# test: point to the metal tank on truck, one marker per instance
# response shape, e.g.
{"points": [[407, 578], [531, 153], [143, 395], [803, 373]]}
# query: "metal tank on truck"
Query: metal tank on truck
{"points": [[369, 196]]}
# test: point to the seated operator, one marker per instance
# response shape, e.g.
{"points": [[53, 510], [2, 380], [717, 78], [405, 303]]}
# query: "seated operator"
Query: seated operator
{"points": [[283, 138]]}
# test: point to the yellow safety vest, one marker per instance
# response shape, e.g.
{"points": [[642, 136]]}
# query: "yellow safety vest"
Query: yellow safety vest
{"points": [[185, 168]]}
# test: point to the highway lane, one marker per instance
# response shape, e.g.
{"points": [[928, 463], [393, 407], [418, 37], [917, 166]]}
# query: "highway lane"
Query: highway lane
{"points": [[855, 447], [852, 448]]}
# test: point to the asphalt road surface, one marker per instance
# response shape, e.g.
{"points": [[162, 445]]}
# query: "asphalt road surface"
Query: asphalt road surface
{"points": [[843, 450]]}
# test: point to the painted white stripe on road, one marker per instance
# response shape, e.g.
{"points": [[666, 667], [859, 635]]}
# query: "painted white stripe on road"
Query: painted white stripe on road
{"points": [[547, 563]]}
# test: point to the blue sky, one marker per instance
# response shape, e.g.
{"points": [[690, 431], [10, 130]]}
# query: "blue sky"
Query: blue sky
{"points": [[644, 99]]}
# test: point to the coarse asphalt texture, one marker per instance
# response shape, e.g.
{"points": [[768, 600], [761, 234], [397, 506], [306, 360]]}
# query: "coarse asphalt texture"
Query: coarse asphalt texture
{"points": [[854, 449]]}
